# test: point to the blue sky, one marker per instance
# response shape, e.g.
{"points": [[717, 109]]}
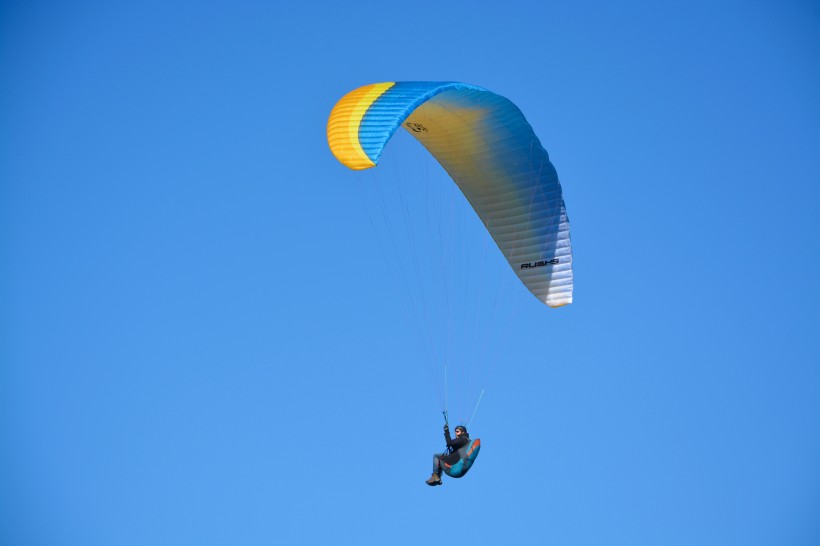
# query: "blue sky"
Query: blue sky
{"points": [[200, 342]]}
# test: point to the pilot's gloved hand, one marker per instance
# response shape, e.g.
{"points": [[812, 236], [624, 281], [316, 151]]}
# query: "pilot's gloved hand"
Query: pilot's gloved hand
{"points": [[446, 427]]}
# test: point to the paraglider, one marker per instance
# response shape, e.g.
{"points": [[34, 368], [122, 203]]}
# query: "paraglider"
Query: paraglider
{"points": [[459, 456], [490, 151], [486, 145]]}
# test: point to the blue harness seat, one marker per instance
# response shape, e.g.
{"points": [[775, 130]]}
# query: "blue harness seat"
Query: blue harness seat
{"points": [[467, 456]]}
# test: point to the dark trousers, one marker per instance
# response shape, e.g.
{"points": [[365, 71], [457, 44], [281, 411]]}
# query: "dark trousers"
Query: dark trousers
{"points": [[437, 463]]}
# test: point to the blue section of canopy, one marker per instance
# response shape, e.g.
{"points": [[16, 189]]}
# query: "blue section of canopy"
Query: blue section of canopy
{"points": [[389, 111]]}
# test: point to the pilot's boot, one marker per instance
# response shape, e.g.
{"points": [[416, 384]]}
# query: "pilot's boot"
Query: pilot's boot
{"points": [[435, 479]]}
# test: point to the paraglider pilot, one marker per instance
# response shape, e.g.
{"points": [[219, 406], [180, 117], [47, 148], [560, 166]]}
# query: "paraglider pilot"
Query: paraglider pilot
{"points": [[451, 455]]}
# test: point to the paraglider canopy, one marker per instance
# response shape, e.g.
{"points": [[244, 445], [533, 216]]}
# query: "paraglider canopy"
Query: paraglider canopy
{"points": [[486, 145]]}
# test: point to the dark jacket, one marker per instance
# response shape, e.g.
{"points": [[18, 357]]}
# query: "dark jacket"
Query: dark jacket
{"points": [[454, 445]]}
